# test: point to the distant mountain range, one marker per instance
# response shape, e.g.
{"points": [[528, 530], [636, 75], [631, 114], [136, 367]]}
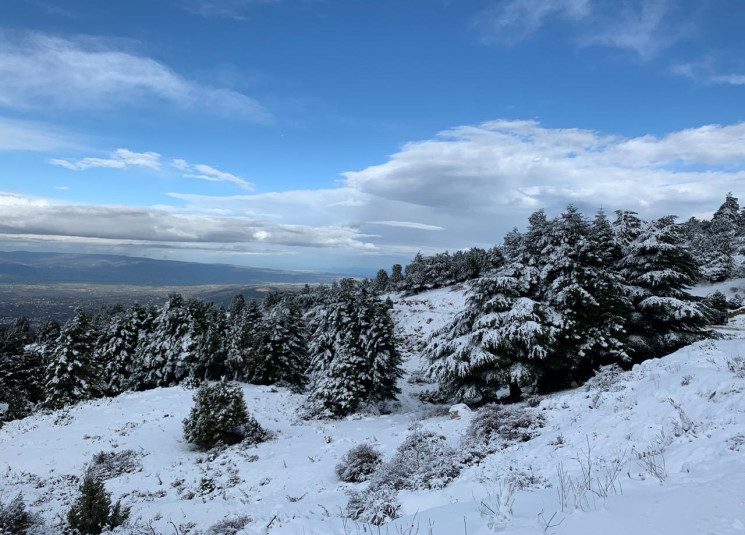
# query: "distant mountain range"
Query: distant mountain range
{"points": [[22, 267]]}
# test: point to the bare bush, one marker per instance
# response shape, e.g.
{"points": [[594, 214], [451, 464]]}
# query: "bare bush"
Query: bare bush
{"points": [[737, 366], [375, 505], [111, 464]]}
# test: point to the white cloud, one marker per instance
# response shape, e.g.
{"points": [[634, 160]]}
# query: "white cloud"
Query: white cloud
{"points": [[25, 217], [38, 70], [406, 224], [708, 70], [119, 159], [464, 187], [206, 172], [641, 26], [31, 136], [234, 9]]}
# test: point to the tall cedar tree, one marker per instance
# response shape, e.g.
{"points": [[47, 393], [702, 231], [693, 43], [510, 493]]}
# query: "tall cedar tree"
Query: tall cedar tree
{"points": [[243, 340], [659, 269], [281, 354], [72, 374], [117, 347], [354, 358]]}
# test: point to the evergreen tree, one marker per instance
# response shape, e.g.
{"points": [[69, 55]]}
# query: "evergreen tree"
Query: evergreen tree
{"points": [[243, 339], [281, 355], [353, 353], [93, 512], [171, 353], [577, 280], [71, 375], [220, 416], [501, 339], [21, 370], [659, 268], [381, 281], [117, 346], [720, 241], [397, 276], [211, 327]]}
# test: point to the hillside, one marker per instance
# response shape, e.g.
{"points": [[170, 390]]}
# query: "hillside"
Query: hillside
{"points": [[665, 440], [21, 267]]}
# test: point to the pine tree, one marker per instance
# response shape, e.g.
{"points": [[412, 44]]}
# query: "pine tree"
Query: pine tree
{"points": [[92, 512], [116, 348], [577, 280], [659, 268], [211, 327], [220, 416], [21, 370], [171, 353], [397, 276], [381, 281], [72, 376], [720, 241], [243, 339], [501, 339], [281, 354], [353, 353]]}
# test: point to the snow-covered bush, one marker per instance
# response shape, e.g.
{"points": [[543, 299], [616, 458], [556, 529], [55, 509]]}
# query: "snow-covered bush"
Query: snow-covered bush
{"points": [[605, 379], [375, 505], [220, 416], [358, 464], [422, 461], [14, 519], [111, 464], [506, 422], [93, 512]]}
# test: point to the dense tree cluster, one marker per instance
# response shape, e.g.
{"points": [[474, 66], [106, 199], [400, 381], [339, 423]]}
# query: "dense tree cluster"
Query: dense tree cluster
{"points": [[439, 270], [187, 341], [572, 295]]}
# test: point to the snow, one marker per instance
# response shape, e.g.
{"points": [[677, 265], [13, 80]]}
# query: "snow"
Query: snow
{"points": [[686, 411]]}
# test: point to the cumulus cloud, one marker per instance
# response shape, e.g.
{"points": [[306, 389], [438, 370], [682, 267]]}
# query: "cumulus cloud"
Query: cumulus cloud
{"points": [[206, 172], [464, 187], [641, 26], [471, 184], [119, 159], [39, 70]]}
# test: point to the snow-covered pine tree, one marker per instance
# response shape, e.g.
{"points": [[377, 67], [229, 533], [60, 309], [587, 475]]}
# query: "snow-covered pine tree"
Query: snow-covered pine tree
{"points": [[21, 371], [720, 241], [579, 282], [281, 353], [243, 333], [210, 329], [499, 340], [626, 228], [171, 352], [397, 276], [658, 269], [72, 375], [352, 357], [116, 348], [381, 281], [379, 345]]}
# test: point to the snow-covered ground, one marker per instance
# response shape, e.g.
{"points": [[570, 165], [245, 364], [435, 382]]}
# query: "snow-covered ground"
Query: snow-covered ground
{"points": [[662, 450]]}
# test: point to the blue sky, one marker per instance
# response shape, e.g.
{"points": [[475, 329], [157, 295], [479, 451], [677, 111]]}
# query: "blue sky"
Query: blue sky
{"points": [[322, 134]]}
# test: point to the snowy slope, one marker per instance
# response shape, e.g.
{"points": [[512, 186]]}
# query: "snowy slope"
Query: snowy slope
{"points": [[683, 415]]}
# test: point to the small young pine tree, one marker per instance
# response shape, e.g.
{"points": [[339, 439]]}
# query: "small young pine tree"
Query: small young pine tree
{"points": [[93, 512], [220, 416]]}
